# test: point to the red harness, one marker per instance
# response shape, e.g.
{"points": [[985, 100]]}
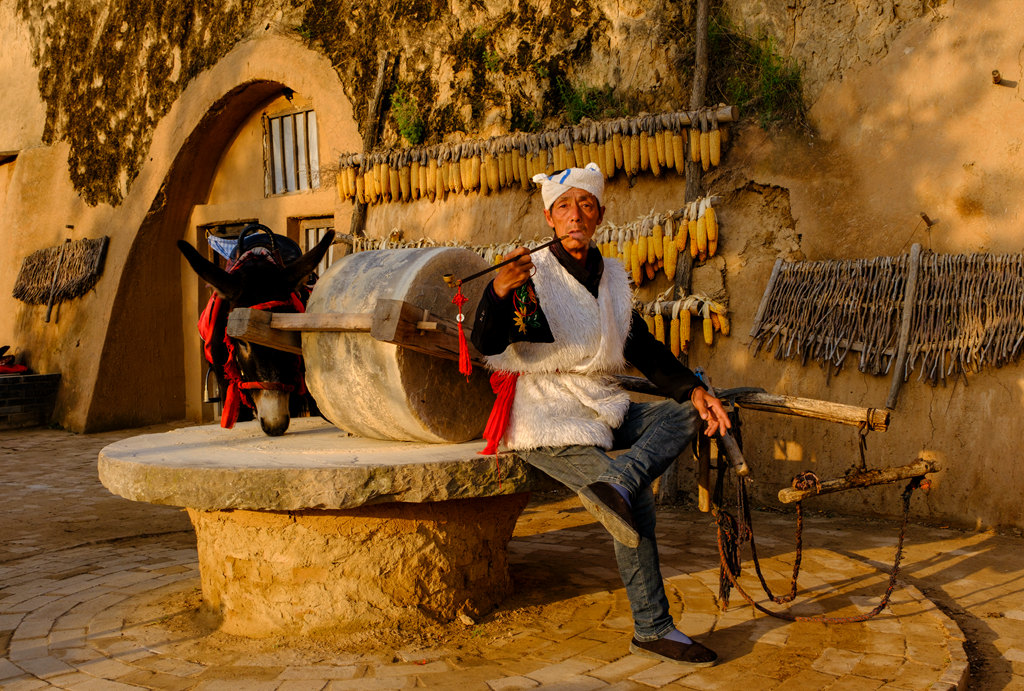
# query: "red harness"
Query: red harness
{"points": [[213, 331]]}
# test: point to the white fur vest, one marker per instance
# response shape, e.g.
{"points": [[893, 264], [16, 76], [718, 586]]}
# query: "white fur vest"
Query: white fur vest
{"points": [[565, 394]]}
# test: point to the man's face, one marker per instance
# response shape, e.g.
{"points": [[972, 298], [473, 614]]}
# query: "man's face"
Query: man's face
{"points": [[575, 214]]}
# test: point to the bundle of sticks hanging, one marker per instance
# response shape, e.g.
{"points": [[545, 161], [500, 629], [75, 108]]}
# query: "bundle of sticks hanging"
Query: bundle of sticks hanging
{"points": [[649, 143], [56, 274], [823, 310], [966, 312]]}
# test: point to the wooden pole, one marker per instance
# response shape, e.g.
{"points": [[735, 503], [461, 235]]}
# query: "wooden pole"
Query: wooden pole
{"points": [[56, 275], [704, 476], [766, 297], [909, 298], [882, 476], [371, 132], [668, 491], [875, 418]]}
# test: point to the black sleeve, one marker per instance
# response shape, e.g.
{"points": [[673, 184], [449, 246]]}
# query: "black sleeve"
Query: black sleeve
{"points": [[517, 318], [490, 327], [657, 362]]}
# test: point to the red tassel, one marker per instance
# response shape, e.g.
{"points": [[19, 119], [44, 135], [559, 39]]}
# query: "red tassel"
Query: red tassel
{"points": [[232, 406], [465, 364], [504, 385]]}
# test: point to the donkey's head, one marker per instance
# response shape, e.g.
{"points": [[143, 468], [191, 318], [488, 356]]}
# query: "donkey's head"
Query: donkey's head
{"points": [[260, 279]]}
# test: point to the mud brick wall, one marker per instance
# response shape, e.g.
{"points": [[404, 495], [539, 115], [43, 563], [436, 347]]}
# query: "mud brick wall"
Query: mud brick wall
{"points": [[26, 400]]}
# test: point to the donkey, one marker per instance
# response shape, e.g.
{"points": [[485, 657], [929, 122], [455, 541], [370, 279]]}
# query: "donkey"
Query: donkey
{"points": [[257, 277]]}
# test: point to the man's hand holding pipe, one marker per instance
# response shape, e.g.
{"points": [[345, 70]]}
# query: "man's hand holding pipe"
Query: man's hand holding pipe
{"points": [[513, 275]]}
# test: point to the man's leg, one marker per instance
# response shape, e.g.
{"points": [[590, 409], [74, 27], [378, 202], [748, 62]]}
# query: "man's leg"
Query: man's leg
{"points": [[654, 634], [578, 466], [655, 434]]}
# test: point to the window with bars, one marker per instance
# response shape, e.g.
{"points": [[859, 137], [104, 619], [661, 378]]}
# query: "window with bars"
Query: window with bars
{"points": [[312, 231], [292, 153]]}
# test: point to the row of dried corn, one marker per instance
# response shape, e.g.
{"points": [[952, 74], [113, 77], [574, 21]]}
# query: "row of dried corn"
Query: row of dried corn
{"points": [[670, 320], [650, 143], [653, 243], [492, 254]]}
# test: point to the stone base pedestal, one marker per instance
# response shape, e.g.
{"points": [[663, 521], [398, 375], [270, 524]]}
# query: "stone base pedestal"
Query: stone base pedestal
{"points": [[288, 572]]}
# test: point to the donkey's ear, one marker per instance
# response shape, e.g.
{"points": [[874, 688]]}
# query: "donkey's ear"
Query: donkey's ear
{"points": [[227, 285], [297, 271]]}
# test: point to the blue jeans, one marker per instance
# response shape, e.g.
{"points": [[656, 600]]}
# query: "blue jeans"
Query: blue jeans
{"points": [[655, 433]]}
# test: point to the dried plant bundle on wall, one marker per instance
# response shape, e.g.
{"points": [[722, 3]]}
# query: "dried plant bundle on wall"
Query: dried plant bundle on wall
{"points": [[968, 313], [62, 272]]}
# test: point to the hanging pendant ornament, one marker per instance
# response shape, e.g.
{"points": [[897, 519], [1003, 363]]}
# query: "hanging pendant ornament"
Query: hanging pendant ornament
{"points": [[465, 364]]}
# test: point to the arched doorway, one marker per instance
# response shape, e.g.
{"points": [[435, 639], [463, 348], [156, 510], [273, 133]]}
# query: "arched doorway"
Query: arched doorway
{"points": [[149, 370]]}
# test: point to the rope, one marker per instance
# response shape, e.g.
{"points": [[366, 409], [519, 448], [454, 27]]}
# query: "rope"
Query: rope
{"points": [[728, 539]]}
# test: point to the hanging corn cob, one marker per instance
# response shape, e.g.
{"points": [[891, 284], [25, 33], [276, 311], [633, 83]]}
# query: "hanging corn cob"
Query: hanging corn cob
{"points": [[617, 149], [404, 181], [678, 146], [711, 222], [609, 151], [634, 263], [645, 153], [684, 327], [702, 231], [641, 244], [659, 323], [691, 225], [414, 175], [634, 150], [658, 238], [670, 249], [665, 131], [493, 172], [709, 332], [474, 170], [673, 330], [431, 181], [651, 258], [654, 160]]}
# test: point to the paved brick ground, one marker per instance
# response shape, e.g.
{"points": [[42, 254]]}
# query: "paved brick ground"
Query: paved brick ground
{"points": [[94, 590]]}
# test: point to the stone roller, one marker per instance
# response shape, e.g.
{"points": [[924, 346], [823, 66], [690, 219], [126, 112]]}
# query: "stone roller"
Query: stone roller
{"points": [[381, 390]]}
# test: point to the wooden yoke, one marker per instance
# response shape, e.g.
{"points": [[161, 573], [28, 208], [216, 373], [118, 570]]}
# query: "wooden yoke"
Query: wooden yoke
{"points": [[867, 478], [392, 321]]}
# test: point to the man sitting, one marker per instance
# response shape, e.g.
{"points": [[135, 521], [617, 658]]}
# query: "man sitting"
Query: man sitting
{"points": [[555, 325]]}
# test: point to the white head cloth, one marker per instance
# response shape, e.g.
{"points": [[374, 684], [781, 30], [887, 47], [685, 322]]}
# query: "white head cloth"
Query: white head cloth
{"points": [[554, 186]]}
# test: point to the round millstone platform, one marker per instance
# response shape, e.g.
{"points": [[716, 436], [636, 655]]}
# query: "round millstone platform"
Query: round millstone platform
{"points": [[319, 529]]}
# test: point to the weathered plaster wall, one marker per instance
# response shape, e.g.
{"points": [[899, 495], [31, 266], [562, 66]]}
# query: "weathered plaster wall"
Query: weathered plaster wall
{"points": [[918, 128], [830, 40]]}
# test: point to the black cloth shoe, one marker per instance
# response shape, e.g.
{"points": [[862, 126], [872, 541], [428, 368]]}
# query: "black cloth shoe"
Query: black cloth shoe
{"points": [[607, 506], [692, 654]]}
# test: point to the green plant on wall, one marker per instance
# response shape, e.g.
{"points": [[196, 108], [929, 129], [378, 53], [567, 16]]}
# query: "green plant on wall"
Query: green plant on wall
{"points": [[581, 101], [406, 114], [751, 74]]}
